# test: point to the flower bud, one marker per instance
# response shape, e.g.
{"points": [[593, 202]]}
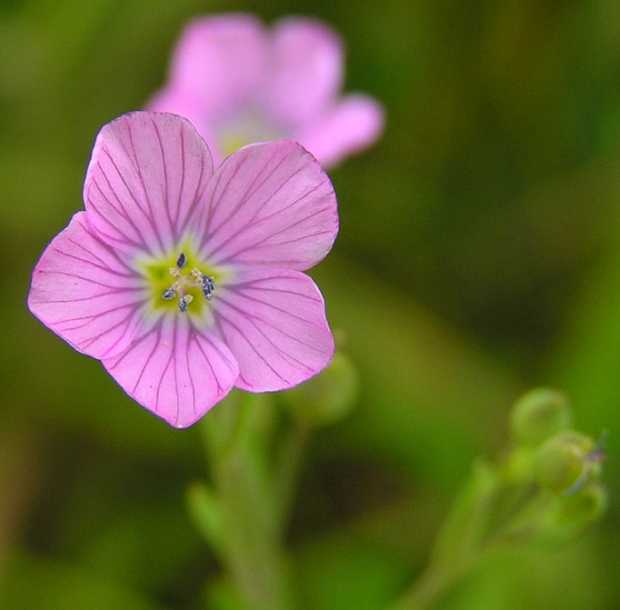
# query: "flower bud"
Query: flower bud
{"points": [[327, 397], [538, 415], [586, 505], [572, 513], [564, 462]]}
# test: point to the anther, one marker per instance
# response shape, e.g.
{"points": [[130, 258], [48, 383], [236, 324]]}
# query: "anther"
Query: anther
{"points": [[184, 282], [208, 286], [184, 302]]}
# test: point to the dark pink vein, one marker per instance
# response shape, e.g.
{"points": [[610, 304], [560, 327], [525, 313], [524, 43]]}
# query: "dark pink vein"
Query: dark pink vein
{"points": [[166, 194], [251, 345], [262, 176], [103, 264], [151, 214], [163, 373], [253, 318]]}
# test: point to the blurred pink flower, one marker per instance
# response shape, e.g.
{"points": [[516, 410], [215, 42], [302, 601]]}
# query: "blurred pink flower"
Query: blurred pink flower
{"points": [[240, 83], [185, 281]]}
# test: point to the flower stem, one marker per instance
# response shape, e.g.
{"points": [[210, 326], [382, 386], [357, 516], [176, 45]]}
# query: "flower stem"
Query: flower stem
{"points": [[253, 554], [460, 542], [249, 544], [288, 465], [426, 591]]}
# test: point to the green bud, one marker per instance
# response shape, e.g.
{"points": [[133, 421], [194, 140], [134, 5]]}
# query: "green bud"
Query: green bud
{"points": [[538, 415], [327, 397], [574, 512], [586, 504], [563, 462]]}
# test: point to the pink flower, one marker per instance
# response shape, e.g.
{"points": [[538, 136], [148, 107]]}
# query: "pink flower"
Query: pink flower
{"points": [[239, 83], [185, 281]]}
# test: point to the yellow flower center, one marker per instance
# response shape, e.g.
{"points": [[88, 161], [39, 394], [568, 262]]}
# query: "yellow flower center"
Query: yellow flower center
{"points": [[181, 282]]}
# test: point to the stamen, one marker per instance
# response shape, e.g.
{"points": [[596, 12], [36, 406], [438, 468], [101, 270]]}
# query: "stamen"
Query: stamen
{"points": [[208, 286], [183, 283], [184, 302]]}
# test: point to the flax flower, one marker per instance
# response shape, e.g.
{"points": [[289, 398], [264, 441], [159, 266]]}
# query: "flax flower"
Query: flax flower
{"points": [[185, 281], [238, 83]]}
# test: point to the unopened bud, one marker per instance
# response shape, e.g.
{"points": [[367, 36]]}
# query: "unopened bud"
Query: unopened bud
{"points": [[575, 512], [538, 415], [563, 463]]}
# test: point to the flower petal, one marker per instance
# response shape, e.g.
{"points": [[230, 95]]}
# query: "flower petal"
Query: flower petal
{"points": [[175, 371], [274, 323], [219, 61], [270, 205], [306, 70], [187, 104], [354, 124], [147, 173], [85, 292]]}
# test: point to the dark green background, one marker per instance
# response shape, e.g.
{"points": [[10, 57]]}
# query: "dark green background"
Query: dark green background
{"points": [[479, 255]]}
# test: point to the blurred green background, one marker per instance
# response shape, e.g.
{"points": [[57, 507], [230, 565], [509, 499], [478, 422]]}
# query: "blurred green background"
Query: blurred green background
{"points": [[479, 256]]}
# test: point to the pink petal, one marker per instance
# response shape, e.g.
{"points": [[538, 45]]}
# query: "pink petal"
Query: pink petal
{"points": [[146, 176], [271, 205], [85, 292], [306, 70], [354, 124], [175, 371], [274, 323], [220, 61], [188, 105]]}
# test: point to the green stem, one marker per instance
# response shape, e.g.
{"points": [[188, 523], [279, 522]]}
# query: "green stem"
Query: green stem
{"points": [[251, 546], [253, 553], [426, 591], [288, 465], [458, 542], [480, 523]]}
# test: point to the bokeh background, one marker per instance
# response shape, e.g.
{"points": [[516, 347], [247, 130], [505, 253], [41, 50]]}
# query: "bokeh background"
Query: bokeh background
{"points": [[479, 256]]}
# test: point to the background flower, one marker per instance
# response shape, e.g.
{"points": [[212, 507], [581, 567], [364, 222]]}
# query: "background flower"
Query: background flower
{"points": [[239, 83], [185, 282]]}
